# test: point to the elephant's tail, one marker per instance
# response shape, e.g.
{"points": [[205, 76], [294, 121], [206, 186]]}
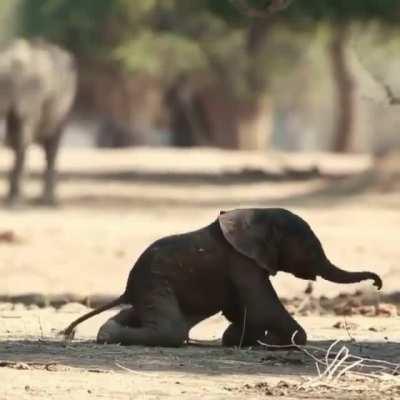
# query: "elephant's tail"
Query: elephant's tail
{"points": [[69, 331]]}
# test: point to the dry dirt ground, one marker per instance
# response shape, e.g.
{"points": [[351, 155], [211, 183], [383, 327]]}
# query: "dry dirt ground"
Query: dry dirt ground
{"points": [[115, 203]]}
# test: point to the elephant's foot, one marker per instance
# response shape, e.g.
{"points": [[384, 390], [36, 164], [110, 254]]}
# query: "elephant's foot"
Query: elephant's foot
{"points": [[235, 337], [109, 333]]}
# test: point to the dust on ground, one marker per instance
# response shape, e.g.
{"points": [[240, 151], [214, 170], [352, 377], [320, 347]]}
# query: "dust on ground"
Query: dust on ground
{"points": [[115, 203], [36, 363]]}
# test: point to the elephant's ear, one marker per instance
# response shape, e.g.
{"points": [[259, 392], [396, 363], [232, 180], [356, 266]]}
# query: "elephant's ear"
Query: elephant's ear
{"points": [[249, 236]]}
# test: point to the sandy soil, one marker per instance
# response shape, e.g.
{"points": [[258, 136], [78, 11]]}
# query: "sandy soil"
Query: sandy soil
{"points": [[35, 364], [115, 203]]}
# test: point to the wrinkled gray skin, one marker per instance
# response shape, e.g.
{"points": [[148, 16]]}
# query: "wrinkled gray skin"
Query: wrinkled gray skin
{"points": [[182, 279], [37, 89]]}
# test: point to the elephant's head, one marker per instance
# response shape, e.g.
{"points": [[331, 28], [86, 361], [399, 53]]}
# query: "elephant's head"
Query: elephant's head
{"points": [[278, 240]]}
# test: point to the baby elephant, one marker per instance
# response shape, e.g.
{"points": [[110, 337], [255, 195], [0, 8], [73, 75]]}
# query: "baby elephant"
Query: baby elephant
{"points": [[182, 279]]}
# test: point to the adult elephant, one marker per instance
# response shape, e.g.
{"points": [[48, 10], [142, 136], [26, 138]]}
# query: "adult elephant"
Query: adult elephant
{"points": [[38, 83]]}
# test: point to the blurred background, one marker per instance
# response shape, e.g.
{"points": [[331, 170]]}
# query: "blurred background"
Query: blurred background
{"points": [[184, 108]]}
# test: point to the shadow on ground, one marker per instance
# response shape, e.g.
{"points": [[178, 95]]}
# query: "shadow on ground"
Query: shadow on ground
{"points": [[329, 191], [201, 359], [240, 176]]}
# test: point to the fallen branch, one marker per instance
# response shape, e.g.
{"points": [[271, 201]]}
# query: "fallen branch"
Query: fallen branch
{"points": [[338, 364]]}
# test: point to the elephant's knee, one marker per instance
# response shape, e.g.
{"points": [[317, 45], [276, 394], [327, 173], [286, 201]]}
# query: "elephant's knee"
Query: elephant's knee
{"points": [[109, 332]]}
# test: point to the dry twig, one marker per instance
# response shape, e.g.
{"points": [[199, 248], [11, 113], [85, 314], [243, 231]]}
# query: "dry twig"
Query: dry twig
{"points": [[339, 364], [243, 328]]}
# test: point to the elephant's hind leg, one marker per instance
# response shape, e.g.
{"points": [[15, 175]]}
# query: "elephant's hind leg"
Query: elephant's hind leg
{"points": [[159, 323], [16, 141], [110, 331], [50, 147]]}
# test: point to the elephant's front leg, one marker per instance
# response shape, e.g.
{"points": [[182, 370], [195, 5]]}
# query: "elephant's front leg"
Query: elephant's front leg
{"points": [[19, 135], [238, 333], [16, 173], [262, 312]]}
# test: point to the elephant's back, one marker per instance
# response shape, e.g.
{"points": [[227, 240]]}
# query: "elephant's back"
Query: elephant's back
{"points": [[194, 265]]}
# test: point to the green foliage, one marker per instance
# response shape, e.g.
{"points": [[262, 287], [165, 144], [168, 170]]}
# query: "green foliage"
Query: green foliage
{"points": [[7, 18], [340, 11], [160, 54], [168, 38], [78, 25]]}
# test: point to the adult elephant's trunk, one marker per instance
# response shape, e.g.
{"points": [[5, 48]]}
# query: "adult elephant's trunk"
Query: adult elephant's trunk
{"points": [[334, 274]]}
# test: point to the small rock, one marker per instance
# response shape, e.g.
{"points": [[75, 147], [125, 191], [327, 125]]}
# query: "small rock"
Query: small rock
{"points": [[344, 310], [9, 237], [22, 365], [345, 325], [386, 310], [367, 311]]}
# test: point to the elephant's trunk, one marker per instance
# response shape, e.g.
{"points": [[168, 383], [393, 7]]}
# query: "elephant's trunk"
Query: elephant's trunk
{"points": [[334, 274]]}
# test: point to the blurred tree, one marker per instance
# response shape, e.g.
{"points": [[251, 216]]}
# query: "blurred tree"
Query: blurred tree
{"points": [[8, 9], [81, 26], [215, 65], [340, 14], [216, 62]]}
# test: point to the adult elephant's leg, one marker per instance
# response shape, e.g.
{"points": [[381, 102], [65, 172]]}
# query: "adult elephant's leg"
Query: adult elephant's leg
{"points": [[20, 133], [264, 310], [159, 321], [50, 146], [17, 143], [16, 173]]}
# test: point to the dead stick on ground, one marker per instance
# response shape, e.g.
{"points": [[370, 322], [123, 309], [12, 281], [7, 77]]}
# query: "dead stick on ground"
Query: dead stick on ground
{"points": [[341, 364]]}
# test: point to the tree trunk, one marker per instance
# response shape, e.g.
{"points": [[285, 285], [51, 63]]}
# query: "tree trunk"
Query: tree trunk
{"points": [[187, 120], [345, 91], [214, 116], [237, 124]]}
